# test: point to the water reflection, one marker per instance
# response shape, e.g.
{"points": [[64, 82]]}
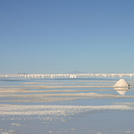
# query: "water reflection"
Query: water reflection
{"points": [[122, 90]]}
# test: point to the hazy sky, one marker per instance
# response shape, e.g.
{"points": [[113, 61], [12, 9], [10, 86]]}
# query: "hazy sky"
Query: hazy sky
{"points": [[59, 36]]}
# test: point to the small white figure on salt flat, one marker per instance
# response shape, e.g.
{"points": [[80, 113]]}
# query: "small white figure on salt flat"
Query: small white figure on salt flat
{"points": [[121, 83], [121, 86]]}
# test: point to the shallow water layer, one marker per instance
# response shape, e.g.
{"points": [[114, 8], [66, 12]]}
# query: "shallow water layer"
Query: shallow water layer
{"points": [[81, 105]]}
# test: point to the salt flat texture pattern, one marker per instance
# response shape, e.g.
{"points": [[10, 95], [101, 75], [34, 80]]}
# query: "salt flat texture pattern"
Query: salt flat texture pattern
{"points": [[65, 105], [56, 110]]}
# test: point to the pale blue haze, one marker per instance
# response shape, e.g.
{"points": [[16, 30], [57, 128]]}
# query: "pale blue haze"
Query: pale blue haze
{"points": [[59, 36]]}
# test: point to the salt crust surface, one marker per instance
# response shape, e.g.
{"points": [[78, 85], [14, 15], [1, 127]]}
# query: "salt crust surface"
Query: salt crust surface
{"points": [[56, 110], [69, 95]]}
